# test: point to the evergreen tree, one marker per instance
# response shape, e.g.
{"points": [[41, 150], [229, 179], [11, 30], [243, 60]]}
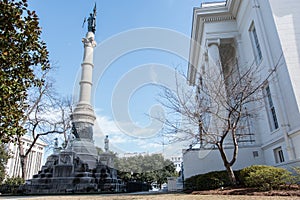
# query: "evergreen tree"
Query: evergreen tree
{"points": [[22, 53], [148, 168]]}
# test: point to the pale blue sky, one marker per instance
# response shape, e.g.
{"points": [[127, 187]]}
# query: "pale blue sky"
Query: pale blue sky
{"points": [[61, 22]]}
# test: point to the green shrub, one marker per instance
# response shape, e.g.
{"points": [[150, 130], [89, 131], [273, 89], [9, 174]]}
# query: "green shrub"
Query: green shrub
{"points": [[190, 183], [208, 181], [212, 180], [297, 174], [265, 177], [14, 181], [244, 173]]}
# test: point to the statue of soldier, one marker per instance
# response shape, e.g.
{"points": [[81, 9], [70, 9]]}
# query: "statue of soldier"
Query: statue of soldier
{"points": [[92, 21], [106, 143]]}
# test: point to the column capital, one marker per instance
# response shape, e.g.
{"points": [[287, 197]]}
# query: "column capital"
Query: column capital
{"points": [[89, 42], [213, 41]]}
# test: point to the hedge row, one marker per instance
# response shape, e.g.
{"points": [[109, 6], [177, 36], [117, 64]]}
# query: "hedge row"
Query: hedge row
{"points": [[258, 176]]}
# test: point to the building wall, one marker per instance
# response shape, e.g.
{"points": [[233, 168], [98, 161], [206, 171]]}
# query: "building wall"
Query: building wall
{"points": [[286, 17], [202, 161], [277, 24], [34, 159], [280, 41], [251, 11]]}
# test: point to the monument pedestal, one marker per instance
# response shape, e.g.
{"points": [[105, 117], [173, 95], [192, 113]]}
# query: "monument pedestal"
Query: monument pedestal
{"points": [[86, 151], [71, 171]]}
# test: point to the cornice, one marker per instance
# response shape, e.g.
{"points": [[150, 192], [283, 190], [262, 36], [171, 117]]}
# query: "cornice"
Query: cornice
{"points": [[213, 14], [207, 15], [272, 142], [218, 18]]}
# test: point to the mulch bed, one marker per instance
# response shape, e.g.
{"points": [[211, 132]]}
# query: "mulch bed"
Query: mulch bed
{"points": [[249, 191]]}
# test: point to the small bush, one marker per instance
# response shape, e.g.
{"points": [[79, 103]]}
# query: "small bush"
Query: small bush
{"points": [[190, 183], [212, 180], [14, 181], [265, 177], [11, 185], [297, 174], [208, 181], [244, 173]]}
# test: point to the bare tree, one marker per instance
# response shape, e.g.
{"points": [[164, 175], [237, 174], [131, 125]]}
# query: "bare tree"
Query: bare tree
{"points": [[217, 111], [46, 115]]}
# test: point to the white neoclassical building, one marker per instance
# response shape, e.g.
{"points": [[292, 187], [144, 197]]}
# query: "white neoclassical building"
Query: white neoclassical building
{"points": [[34, 161], [177, 161], [266, 33]]}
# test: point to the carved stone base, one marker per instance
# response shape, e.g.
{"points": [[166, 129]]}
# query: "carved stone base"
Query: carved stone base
{"points": [[86, 151], [69, 171], [83, 131]]}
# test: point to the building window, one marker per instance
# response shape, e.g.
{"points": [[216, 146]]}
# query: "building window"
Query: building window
{"points": [[270, 108], [278, 154], [255, 44], [255, 154]]}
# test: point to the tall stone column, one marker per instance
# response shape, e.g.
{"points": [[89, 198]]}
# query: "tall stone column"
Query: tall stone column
{"points": [[83, 116], [215, 71], [214, 59], [215, 86], [87, 69], [241, 56]]}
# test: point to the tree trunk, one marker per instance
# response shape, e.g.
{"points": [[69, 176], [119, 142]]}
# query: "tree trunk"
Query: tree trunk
{"points": [[227, 165], [23, 161], [23, 158], [230, 174]]}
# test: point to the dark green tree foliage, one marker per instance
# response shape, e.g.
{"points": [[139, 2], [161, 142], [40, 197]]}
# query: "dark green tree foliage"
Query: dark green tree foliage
{"points": [[4, 156], [148, 168], [21, 53]]}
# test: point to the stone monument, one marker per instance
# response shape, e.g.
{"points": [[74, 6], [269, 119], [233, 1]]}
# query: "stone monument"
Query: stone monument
{"points": [[78, 167]]}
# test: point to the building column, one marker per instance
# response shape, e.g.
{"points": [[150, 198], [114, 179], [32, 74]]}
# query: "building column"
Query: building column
{"points": [[214, 72], [239, 50], [216, 84], [214, 59]]}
